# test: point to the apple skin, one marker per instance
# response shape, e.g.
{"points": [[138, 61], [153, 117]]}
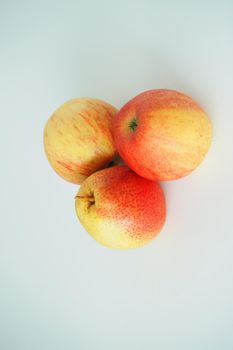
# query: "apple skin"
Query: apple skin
{"points": [[120, 209], [78, 138], [162, 134]]}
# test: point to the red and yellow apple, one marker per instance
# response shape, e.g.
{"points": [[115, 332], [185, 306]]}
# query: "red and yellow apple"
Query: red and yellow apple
{"points": [[78, 138], [120, 209], [162, 134]]}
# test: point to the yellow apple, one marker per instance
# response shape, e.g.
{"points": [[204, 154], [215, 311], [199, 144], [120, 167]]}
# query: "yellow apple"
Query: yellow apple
{"points": [[120, 209], [78, 138], [162, 134]]}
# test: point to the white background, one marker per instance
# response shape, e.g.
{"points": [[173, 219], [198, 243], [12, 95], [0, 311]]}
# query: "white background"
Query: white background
{"points": [[59, 288]]}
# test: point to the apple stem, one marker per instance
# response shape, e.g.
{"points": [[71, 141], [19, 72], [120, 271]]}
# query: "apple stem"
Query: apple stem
{"points": [[91, 198]]}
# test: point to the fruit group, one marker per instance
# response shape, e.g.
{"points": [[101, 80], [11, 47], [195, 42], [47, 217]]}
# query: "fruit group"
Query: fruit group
{"points": [[162, 134], [121, 209], [78, 138]]}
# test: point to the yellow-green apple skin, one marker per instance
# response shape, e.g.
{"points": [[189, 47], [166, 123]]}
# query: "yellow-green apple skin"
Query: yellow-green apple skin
{"points": [[78, 138], [120, 209], [162, 134]]}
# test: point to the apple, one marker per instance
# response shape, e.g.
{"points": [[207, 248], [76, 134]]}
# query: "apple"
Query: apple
{"points": [[78, 138], [120, 209], [162, 134]]}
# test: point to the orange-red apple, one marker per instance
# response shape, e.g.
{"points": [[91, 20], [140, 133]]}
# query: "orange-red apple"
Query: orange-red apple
{"points": [[78, 138], [162, 134], [120, 209]]}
